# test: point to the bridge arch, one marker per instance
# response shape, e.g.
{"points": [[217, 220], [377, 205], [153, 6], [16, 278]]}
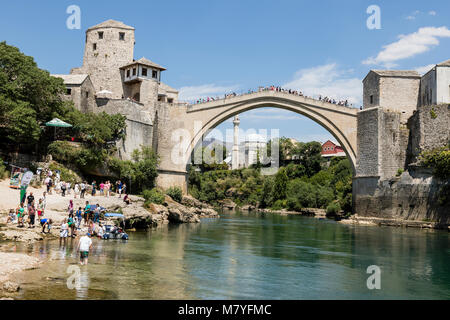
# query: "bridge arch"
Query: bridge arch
{"points": [[305, 110], [198, 119]]}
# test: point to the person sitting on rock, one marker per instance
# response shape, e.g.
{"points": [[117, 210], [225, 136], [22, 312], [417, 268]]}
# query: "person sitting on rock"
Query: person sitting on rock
{"points": [[126, 199], [11, 217]]}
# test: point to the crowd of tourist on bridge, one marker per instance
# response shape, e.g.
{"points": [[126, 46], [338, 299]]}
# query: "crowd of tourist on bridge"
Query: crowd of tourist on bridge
{"points": [[277, 89]]}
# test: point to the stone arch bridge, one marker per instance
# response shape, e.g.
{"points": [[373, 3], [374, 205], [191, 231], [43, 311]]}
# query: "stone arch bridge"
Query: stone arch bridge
{"points": [[179, 128]]}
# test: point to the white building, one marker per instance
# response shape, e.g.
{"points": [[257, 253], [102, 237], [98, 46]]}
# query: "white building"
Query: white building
{"points": [[435, 85]]}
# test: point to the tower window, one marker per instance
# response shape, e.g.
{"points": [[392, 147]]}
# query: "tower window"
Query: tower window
{"points": [[144, 72], [94, 46], [155, 74], [128, 73], [100, 35], [121, 35], [371, 99], [134, 71], [87, 94], [68, 91]]}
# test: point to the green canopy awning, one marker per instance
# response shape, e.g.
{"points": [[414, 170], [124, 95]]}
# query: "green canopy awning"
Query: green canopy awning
{"points": [[58, 123]]}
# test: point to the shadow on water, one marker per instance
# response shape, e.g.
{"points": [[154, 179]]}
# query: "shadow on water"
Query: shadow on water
{"points": [[248, 256]]}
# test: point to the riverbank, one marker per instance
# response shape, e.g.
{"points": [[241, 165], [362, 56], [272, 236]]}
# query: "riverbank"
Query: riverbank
{"points": [[351, 220], [137, 215], [374, 221], [11, 264]]}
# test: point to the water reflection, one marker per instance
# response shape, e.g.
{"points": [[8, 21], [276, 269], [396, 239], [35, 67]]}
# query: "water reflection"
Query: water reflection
{"points": [[249, 256]]}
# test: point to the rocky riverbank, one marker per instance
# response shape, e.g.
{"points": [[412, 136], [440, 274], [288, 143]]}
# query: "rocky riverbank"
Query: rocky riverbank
{"points": [[228, 204], [137, 215], [11, 264], [374, 221]]}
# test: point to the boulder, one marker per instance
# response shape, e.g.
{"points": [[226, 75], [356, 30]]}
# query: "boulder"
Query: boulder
{"points": [[10, 287]]}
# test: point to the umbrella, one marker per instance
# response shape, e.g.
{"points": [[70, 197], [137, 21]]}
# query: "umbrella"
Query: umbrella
{"points": [[58, 123]]}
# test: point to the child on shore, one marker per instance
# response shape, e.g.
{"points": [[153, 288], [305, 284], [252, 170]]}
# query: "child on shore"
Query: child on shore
{"points": [[40, 209], [20, 211], [79, 217], [11, 216], [46, 223], [64, 231]]}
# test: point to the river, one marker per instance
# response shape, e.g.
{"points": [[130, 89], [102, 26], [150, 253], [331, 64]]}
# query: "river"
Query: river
{"points": [[247, 256]]}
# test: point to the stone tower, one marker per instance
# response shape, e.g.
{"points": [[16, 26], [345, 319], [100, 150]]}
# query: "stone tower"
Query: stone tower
{"points": [[109, 46], [235, 152]]}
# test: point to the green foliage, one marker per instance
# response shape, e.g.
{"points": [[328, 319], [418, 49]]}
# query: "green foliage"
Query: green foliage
{"points": [[175, 193], [65, 173], [333, 209], [399, 172], [2, 169], [84, 158], [279, 205], [280, 184], [439, 160], [29, 97], [267, 192], [95, 130], [290, 188], [153, 196], [433, 113], [142, 170]]}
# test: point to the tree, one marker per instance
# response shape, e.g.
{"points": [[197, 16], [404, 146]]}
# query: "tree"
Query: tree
{"points": [[29, 97], [279, 188]]}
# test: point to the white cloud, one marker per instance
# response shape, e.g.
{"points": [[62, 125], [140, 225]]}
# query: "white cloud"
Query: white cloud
{"points": [[424, 69], [192, 93], [408, 46], [432, 13], [327, 80], [413, 15]]}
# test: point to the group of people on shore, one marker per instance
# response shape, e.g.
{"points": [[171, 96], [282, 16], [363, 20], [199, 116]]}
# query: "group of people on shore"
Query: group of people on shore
{"points": [[32, 210], [54, 184], [278, 89]]}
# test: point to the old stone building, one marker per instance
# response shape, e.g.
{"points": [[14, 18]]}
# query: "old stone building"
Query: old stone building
{"points": [[403, 115], [112, 81], [80, 90], [435, 85], [393, 90]]}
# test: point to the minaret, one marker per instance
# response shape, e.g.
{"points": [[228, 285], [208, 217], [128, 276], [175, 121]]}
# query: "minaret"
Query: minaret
{"points": [[235, 154]]}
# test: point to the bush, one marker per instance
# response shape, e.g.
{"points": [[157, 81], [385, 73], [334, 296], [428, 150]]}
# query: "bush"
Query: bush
{"points": [[2, 169], [333, 209], [279, 204], [439, 160], [175, 193], [153, 196], [66, 174]]}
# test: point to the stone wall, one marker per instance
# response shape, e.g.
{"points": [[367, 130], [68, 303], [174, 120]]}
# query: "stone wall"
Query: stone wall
{"points": [[371, 88], [102, 63], [393, 143], [400, 94], [413, 195], [430, 129], [367, 161], [139, 131]]}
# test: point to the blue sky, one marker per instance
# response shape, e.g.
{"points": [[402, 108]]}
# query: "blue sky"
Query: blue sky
{"points": [[211, 47]]}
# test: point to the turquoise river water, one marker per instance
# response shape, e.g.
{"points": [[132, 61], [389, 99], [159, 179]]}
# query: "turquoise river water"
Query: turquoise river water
{"points": [[248, 256]]}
